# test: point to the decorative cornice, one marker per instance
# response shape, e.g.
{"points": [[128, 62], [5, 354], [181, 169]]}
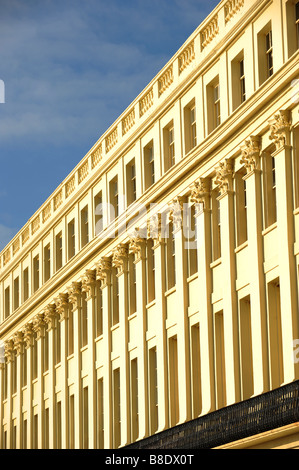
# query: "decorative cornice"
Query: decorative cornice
{"points": [[224, 174], [103, 271], [251, 152], [62, 306], [120, 258], [280, 127], [50, 316]]}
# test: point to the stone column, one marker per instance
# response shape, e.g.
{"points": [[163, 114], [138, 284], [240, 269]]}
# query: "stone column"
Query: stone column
{"points": [[104, 275], [200, 195], [155, 232], [280, 134], [251, 159], [75, 299], [120, 261], [10, 357], [19, 348], [138, 247], [50, 318], [29, 341], [62, 308], [39, 326], [224, 179], [89, 286], [176, 217]]}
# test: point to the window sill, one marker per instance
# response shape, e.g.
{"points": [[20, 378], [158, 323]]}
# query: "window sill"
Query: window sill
{"points": [[151, 304], [216, 263], [170, 291], [192, 277], [241, 247], [269, 229]]}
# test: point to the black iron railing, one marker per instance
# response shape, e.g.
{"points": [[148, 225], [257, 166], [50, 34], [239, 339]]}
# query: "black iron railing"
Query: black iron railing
{"points": [[261, 413]]}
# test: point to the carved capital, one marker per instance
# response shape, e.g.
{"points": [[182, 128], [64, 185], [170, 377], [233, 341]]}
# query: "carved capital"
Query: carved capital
{"points": [[62, 306], [154, 229], [200, 191], [120, 258], [89, 282], [280, 127], [50, 316], [19, 342], [74, 292], [28, 334], [39, 326], [103, 271], [224, 175], [176, 213], [137, 243], [251, 153], [9, 350]]}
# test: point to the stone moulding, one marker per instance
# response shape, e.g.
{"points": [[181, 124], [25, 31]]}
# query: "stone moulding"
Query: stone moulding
{"points": [[231, 8], [209, 32], [186, 57], [146, 102], [165, 80]]}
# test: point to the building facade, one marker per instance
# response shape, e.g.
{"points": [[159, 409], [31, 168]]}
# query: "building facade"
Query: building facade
{"points": [[158, 284]]}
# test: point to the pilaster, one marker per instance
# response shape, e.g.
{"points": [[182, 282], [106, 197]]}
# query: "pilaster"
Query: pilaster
{"points": [[138, 247], [280, 134], [89, 286], [18, 340], [155, 232], [10, 358], [39, 326], [251, 160], [120, 261], [103, 272], [50, 317], [177, 219], [29, 341], [200, 195], [62, 309], [75, 299], [224, 179]]}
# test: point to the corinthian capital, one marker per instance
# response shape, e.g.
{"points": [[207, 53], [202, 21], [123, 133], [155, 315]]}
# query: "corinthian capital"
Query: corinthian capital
{"points": [[137, 243], [103, 271], [251, 153], [280, 127], [176, 213], [19, 342], [62, 305], [89, 281], [74, 292], [224, 174], [120, 258], [39, 325], [50, 316], [9, 350], [28, 334], [154, 229], [200, 191]]}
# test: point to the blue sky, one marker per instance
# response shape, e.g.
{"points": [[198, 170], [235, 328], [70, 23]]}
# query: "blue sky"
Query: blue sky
{"points": [[70, 68]]}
